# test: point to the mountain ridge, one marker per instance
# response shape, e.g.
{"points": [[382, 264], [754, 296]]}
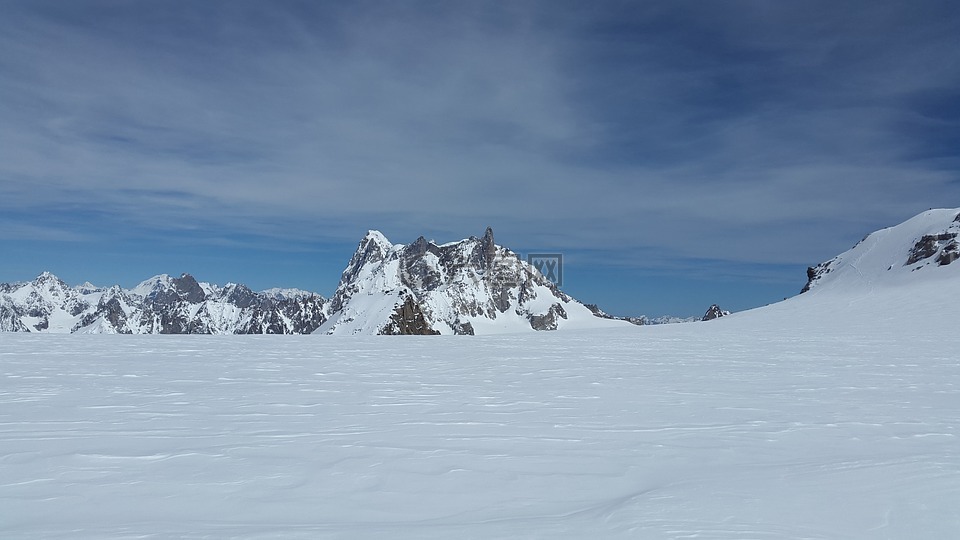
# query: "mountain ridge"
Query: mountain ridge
{"points": [[925, 245], [158, 305], [471, 286]]}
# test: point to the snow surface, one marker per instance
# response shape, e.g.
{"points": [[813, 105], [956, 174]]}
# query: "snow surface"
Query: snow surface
{"points": [[826, 416]]}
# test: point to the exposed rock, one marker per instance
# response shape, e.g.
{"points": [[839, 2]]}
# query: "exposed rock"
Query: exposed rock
{"points": [[408, 320], [714, 312], [10, 319], [463, 328], [928, 246], [950, 253], [43, 324], [549, 320], [109, 310], [814, 273]]}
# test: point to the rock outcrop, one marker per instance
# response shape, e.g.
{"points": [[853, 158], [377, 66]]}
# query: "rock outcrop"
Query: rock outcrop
{"points": [[408, 320], [714, 312]]}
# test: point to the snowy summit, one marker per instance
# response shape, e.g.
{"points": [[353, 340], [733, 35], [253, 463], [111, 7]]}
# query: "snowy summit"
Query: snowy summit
{"points": [[471, 287]]}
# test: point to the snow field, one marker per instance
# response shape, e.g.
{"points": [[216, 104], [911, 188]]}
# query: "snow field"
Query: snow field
{"points": [[767, 424]]}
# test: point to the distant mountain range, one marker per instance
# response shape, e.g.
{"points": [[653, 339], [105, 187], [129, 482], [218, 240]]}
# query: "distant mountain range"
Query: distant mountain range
{"points": [[159, 305], [468, 287], [472, 286]]}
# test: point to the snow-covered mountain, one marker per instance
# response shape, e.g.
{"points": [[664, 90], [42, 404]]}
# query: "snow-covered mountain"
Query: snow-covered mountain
{"points": [[159, 305], [921, 248], [468, 287]]}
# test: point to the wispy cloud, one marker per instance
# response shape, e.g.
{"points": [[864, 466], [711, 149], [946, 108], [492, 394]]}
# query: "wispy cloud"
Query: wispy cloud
{"points": [[752, 132]]}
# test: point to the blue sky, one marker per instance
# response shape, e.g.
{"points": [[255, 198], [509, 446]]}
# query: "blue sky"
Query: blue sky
{"points": [[678, 153]]}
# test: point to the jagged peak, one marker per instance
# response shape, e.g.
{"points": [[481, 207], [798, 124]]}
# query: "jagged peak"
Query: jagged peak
{"points": [[488, 235], [47, 277], [376, 237], [49, 282]]}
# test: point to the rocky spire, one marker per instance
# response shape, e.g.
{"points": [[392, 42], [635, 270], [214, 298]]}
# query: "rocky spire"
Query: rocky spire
{"points": [[488, 248], [714, 312]]}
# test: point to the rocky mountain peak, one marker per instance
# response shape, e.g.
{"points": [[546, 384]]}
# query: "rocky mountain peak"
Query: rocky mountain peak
{"points": [[371, 249], [189, 289], [470, 286], [488, 246], [49, 282]]}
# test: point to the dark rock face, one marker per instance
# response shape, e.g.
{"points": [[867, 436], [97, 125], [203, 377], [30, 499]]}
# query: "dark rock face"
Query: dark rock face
{"points": [[418, 273], [241, 296], [43, 324], [111, 311], [549, 320], [950, 253], [463, 329], [714, 312], [930, 245], [10, 320], [814, 273], [188, 289], [408, 320]]}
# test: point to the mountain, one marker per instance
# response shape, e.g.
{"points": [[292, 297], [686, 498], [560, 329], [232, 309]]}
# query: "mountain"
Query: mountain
{"points": [[921, 248], [159, 305], [643, 320], [472, 286], [468, 287]]}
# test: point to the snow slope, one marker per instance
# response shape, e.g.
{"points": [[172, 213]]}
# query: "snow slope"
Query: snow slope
{"points": [[759, 425], [923, 248]]}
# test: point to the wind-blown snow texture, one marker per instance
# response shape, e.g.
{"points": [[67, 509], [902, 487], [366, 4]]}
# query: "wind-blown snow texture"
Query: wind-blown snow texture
{"points": [[833, 415]]}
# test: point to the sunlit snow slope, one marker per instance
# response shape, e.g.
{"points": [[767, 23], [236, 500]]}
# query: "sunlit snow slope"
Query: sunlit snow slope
{"points": [[834, 415]]}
